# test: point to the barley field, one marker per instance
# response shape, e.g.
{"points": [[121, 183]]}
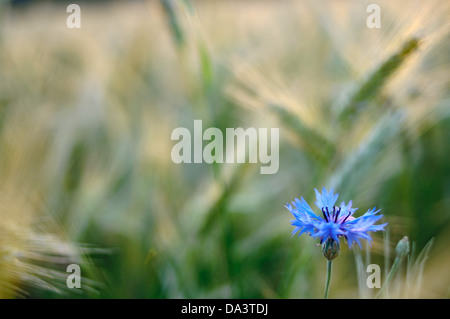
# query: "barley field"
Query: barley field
{"points": [[87, 178]]}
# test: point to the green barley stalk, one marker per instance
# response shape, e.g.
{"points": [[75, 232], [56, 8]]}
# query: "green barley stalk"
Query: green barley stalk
{"points": [[372, 86], [170, 8]]}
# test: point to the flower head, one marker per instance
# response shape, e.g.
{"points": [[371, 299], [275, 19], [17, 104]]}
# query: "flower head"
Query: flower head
{"points": [[402, 248], [335, 222]]}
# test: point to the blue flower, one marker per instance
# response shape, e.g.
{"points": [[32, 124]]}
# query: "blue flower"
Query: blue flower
{"points": [[337, 221]]}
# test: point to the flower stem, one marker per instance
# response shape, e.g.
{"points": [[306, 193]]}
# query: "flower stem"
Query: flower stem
{"points": [[389, 277], [327, 284]]}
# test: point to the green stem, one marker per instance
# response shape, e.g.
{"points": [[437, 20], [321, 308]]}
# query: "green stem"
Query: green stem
{"points": [[389, 277], [327, 284]]}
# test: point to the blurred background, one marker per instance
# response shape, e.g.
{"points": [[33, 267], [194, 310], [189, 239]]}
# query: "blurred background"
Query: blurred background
{"points": [[86, 117]]}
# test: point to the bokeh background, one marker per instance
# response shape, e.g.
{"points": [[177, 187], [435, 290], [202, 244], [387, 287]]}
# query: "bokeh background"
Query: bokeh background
{"points": [[86, 117]]}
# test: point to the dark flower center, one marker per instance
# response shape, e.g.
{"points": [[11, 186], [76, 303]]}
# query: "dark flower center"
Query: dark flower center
{"points": [[333, 215]]}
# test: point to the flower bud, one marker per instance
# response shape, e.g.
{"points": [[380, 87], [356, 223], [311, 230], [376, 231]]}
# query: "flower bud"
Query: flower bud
{"points": [[402, 248], [330, 249]]}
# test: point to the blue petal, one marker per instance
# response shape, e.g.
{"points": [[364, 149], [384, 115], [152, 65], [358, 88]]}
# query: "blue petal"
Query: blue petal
{"points": [[304, 207], [359, 227], [328, 230], [326, 199]]}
